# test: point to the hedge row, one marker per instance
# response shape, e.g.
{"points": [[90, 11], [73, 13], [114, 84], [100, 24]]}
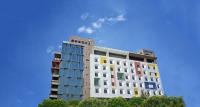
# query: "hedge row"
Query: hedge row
{"points": [[155, 101]]}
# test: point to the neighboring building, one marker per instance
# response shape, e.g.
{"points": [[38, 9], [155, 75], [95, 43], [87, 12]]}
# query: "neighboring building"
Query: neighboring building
{"points": [[55, 76], [87, 70]]}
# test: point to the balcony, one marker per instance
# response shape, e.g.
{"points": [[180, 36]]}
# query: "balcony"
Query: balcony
{"points": [[55, 75], [53, 96], [54, 89], [54, 82]]}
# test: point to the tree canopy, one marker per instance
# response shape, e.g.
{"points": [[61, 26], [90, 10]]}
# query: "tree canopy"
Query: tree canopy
{"points": [[155, 101]]}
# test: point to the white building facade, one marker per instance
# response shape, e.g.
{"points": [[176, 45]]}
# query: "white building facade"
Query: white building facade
{"points": [[112, 76]]}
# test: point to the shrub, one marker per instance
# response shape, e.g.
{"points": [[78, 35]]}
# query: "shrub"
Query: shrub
{"points": [[117, 102]]}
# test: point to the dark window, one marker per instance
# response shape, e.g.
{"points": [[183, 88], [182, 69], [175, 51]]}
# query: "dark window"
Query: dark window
{"points": [[120, 83], [121, 91], [113, 84], [127, 84], [113, 91], [117, 62], [96, 66], [104, 75], [97, 90], [111, 62], [104, 67], [125, 70], [105, 90], [105, 82]]}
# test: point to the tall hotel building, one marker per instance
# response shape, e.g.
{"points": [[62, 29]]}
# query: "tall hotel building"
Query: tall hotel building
{"points": [[84, 70]]}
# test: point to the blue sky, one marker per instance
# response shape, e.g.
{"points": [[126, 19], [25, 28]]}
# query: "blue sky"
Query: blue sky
{"points": [[30, 30]]}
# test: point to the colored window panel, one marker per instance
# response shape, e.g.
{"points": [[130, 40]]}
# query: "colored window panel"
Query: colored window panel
{"points": [[120, 76]]}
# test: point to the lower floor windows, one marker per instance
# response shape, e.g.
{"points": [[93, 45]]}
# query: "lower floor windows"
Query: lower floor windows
{"points": [[121, 91], [128, 92], [105, 90], [113, 91], [96, 90]]}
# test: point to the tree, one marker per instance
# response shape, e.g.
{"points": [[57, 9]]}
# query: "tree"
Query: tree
{"points": [[136, 102], [53, 103], [93, 102], [72, 103], [117, 102]]}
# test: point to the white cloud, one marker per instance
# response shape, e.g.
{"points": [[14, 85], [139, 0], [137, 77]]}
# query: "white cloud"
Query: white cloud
{"points": [[53, 49], [99, 23], [120, 18], [84, 16], [50, 49], [84, 29]]}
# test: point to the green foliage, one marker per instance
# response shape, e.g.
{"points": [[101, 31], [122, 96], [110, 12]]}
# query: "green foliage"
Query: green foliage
{"points": [[53, 103], [164, 101], [155, 101], [117, 102], [136, 101], [93, 102], [72, 103]]}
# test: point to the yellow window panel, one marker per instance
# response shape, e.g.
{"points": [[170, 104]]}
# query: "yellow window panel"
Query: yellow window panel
{"points": [[157, 75], [103, 60]]}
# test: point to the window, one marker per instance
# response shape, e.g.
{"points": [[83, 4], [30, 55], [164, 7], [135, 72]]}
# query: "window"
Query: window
{"points": [[124, 63], [158, 86], [120, 76], [96, 74], [150, 73], [125, 69], [118, 69], [131, 64], [146, 79], [139, 78], [95, 60], [121, 91], [157, 80], [154, 67], [160, 93], [104, 61], [144, 72], [105, 82], [141, 85], [120, 83], [156, 74], [128, 92], [96, 81], [142, 66], [113, 84], [96, 66], [96, 90], [111, 68], [151, 78], [133, 77], [105, 90], [154, 93], [136, 92], [134, 84], [126, 76], [104, 67], [112, 76], [111, 62], [127, 84], [113, 91], [117, 62], [132, 71], [104, 75]]}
